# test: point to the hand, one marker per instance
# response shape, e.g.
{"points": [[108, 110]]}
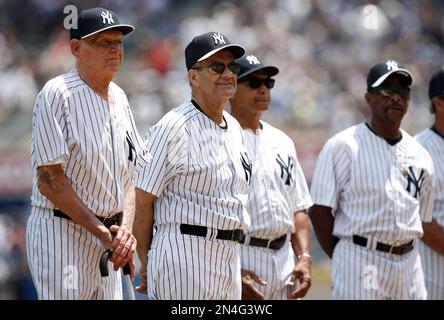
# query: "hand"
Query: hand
{"points": [[249, 291], [123, 248], [142, 287], [301, 273]]}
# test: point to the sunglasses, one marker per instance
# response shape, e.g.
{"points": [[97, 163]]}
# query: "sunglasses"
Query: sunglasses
{"points": [[388, 92], [219, 68], [257, 83]]}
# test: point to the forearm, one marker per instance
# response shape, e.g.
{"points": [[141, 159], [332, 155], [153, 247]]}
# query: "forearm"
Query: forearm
{"points": [[434, 236], [143, 223], [129, 209], [323, 222], [301, 241], [54, 185]]}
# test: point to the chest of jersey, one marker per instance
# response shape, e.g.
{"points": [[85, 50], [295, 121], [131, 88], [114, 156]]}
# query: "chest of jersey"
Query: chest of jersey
{"points": [[381, 172], [97, 129], [217, 162]]}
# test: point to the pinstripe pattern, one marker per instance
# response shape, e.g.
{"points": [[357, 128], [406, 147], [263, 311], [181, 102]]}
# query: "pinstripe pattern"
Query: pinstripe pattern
{"points": [[365, 181], [271, 205], [76, 128], [47, 238], [360, 176], [395, 277], [432, 261], [187, 267], [198, 178]]}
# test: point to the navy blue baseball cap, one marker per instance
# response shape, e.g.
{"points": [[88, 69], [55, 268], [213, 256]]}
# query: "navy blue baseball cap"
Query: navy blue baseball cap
{"points": [[205, 45], [382, 70], [250, 63], [96, 20], [436, 84]]}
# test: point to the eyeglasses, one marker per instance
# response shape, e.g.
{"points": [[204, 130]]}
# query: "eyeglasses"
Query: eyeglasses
{"points": [[388, 92], [219, 68], [257, 82]]}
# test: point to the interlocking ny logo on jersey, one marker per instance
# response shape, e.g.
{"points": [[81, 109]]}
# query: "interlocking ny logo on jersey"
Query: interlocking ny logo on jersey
{"points": [[218, 38], [131, 148], [414, 180], [106, 15], [247, 165], [286, 169]]}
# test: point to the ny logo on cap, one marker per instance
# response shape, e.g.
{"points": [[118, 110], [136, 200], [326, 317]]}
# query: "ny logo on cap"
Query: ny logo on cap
{"points": [[218, 38], [391, 65], [108, 16], [252, 59]]}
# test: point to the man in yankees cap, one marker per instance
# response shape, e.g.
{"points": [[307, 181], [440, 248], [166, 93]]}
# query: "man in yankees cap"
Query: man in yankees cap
{"points": [[194, 192], [431, 248], [372, 188], [85, 149], [278, 200]]}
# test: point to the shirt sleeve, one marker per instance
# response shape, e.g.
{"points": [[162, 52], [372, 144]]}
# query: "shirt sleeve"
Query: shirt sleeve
{"points": [[331, 173], [301, 199], [50, 131], [426, 196], [168, 146]]}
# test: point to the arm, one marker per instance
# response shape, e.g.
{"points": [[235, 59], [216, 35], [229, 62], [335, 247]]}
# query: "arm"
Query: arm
{"points": [[323, 220], [54, 185], [301, 245], [434, 236], [130, 208], [143, 231], [124, 240]]}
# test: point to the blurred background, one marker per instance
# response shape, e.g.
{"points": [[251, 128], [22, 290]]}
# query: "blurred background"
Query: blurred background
{"points": [[323, 49]]}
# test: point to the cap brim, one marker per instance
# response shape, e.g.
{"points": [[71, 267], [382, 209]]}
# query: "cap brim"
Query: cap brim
{"points": [[271, 71], [404, 72], [237, 50], [124, 28]]}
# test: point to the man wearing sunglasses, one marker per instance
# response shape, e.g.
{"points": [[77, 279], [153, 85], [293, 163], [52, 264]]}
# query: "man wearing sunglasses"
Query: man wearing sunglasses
{"points": [[372, 188], [278, 199], [431, 248], [195, 191]]}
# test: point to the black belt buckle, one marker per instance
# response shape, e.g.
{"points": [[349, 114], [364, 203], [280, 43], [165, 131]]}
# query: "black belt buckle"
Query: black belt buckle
{"points": [[237, 235]]}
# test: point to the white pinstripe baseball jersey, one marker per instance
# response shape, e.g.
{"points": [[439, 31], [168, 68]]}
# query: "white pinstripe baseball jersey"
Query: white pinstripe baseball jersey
{"points": [[278, 190], [381, 191], [197, 170], [99, 148], [200, 174], [373, 187], [432, 261], [97, 143]]}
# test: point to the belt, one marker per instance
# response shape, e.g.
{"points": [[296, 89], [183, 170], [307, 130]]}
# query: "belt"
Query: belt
{"points": [[275, 244], [400, 250], [233, 235], [107, 221]]}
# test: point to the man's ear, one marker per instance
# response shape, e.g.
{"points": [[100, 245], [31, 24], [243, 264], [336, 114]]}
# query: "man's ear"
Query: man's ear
{"points": [[368, 97], [193, 78], [74, 45], [439, 104]]}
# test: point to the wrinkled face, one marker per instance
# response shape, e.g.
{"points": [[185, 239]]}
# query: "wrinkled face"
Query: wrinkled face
{"points": [[219, 86], [252, 93], [389, 102], [102, 52]]}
